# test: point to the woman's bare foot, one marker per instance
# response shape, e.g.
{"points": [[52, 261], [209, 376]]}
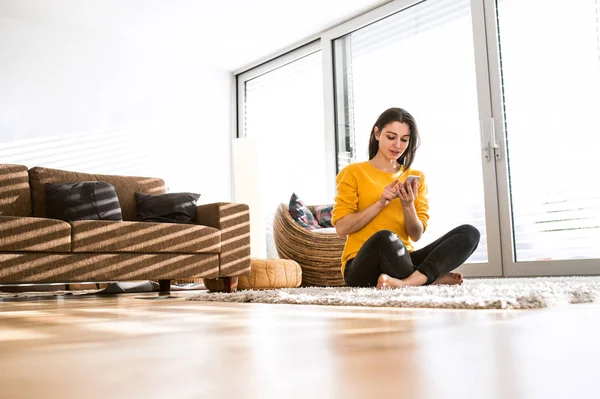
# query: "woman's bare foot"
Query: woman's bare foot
{"points": [[448, 278], [386, 281]]}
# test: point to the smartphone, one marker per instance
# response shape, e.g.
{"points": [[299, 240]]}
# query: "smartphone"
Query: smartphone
{"points": [[410, 178]]}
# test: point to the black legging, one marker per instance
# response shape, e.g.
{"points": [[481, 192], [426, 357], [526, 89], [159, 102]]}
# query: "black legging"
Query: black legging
{"points": [[385, 253]]}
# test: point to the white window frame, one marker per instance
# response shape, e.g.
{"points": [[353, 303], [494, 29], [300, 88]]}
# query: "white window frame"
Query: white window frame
{"points": [[266, 67], [263, 69], [510, 266]]}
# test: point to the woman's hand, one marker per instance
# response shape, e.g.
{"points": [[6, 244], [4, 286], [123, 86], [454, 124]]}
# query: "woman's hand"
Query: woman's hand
{"points": [[389, 193], [408, 193]]}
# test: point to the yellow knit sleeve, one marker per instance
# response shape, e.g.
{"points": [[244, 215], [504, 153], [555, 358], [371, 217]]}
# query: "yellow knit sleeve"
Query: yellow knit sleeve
{"points": [[422, 203], [346, 200]]}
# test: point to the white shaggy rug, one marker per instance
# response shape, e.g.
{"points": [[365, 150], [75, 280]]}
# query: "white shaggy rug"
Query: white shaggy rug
{"points": [[500, 293]]}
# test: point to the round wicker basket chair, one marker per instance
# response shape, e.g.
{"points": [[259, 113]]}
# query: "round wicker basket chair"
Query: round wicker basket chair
{"points": [[319, 255]]}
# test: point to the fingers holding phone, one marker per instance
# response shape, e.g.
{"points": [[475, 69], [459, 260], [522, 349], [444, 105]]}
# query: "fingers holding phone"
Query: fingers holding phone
{"points": [[412, 181], [408, 191]]}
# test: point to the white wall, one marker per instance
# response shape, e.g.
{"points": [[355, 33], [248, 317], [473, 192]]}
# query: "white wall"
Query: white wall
{"points": [[94, 102]]}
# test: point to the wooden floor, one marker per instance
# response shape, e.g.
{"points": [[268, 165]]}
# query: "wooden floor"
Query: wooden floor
{"points": [[127, 347]]}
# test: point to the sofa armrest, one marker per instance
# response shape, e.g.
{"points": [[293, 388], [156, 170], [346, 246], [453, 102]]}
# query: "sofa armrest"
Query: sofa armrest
{"points": [[233, 220]]}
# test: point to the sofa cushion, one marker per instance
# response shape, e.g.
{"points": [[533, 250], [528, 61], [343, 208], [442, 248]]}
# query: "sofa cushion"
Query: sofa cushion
{"points": [[109, 236], [94, 200], [15, 197], [166, 208], [125, 186], [301, 214], [34, 234], [323, 215], [325, 230]]}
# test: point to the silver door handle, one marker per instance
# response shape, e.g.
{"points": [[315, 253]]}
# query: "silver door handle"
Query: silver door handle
{"points": [[494, 144]]}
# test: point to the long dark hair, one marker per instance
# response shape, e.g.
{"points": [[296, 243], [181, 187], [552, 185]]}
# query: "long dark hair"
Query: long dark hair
{"points": [[402, 116]]}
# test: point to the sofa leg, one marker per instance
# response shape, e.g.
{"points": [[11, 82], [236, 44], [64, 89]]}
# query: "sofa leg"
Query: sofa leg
{"points": [[230, 284], [164, 286]]}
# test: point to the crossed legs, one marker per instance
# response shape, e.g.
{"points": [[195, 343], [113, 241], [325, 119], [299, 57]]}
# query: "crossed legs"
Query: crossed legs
{"points": [[383, 260]]}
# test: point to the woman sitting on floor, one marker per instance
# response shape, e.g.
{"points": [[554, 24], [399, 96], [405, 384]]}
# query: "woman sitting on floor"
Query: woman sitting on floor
{"points": [[382, 214]]}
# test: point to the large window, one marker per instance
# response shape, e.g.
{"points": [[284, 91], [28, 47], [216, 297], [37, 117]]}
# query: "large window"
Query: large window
{"points": [[420, 59], [283, 112]]}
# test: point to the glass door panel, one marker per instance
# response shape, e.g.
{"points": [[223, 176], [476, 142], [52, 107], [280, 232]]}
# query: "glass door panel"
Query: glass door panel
{"points": [[550, 79], [550, 66]]}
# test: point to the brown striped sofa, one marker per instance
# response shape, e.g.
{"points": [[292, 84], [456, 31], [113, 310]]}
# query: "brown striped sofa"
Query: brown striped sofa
{"points": [[35, 249]]}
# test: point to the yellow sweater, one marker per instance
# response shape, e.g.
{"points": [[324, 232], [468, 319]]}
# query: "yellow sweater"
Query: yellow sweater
{"points": [[361, 184]]}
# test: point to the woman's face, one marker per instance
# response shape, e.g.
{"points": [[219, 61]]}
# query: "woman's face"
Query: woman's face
{"points": [[393, 139]]}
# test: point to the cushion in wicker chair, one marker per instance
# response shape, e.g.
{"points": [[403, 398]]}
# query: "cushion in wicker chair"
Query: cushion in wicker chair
{"points": [[319, 255], [264, 274]]}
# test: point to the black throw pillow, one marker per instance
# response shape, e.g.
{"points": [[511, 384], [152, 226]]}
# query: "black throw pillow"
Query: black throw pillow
{"points": [[84, 200], [166, 208]]}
